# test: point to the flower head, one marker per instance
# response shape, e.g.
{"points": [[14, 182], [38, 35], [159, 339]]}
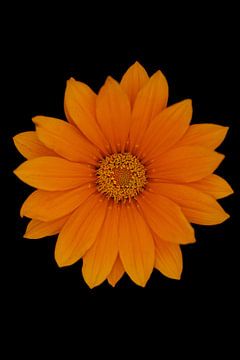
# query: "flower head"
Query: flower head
{"points": [[123, 179]]}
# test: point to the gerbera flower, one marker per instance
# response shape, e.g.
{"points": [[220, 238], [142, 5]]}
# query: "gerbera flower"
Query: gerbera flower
{"points": [[123, 179]]}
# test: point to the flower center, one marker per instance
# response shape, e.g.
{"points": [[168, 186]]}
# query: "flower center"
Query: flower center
{"points": [[121, 177]]}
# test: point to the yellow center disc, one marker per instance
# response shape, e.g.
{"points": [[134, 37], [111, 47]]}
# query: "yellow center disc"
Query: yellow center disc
{"points": [[121, 177]]}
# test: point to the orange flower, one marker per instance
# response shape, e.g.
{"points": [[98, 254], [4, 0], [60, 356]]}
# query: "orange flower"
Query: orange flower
{"points": [[123, 179]]}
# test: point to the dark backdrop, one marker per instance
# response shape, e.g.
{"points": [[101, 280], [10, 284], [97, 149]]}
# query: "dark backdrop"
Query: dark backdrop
{"points": [[197, 51]]}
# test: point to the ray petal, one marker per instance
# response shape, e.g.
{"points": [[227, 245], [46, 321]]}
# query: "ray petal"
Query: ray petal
{"points": [[136, 247], [213, 185], [150, 101], [80, 231], [37, 229], [133, 80], [116, 273], [80, 109], [52, 173], [50, 205], [197, 206], [168, 259], [166, 219], [166, 129], [114, 114], [65, 140], [185, 164], [100, 258], [29, 145], [206, 135]]}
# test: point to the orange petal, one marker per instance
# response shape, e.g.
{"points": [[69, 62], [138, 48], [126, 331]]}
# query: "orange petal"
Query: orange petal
{"points": [[166, 128], [136, 247], [168, 258], [80, 231], [198, 207], [52, 173], [51, 205], [114, 114], [100, 258], [185, 164], [37, 229], [166, 219], [80, 108], [150, 101], [133, 80], [206, 135], [65, 139], [30, 146], [213, 185], [116, 273]]}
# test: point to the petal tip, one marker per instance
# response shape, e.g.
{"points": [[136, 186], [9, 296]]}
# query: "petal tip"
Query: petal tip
{"points": [[15, 172], [142, 283], [29, 235], [188, 101], [225, 130], [70, 82], [14, 138], [191, 239], [110, 80], [22, 212], [221, 157], [174, 275], [113, 284], [35, 120], [15, 141], [18, 171], [60, 259], [90, 284], [158, 74], [60, 262], [138, 64], [225, 217]]}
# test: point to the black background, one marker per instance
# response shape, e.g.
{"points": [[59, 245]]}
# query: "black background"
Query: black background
{"points": [[196, 48]]}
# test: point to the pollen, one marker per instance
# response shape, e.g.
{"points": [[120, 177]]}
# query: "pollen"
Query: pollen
{"points": [[121, 176]]}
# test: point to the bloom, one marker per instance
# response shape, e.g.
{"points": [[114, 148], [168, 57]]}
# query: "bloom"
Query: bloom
{"points": [[123, 179]]}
